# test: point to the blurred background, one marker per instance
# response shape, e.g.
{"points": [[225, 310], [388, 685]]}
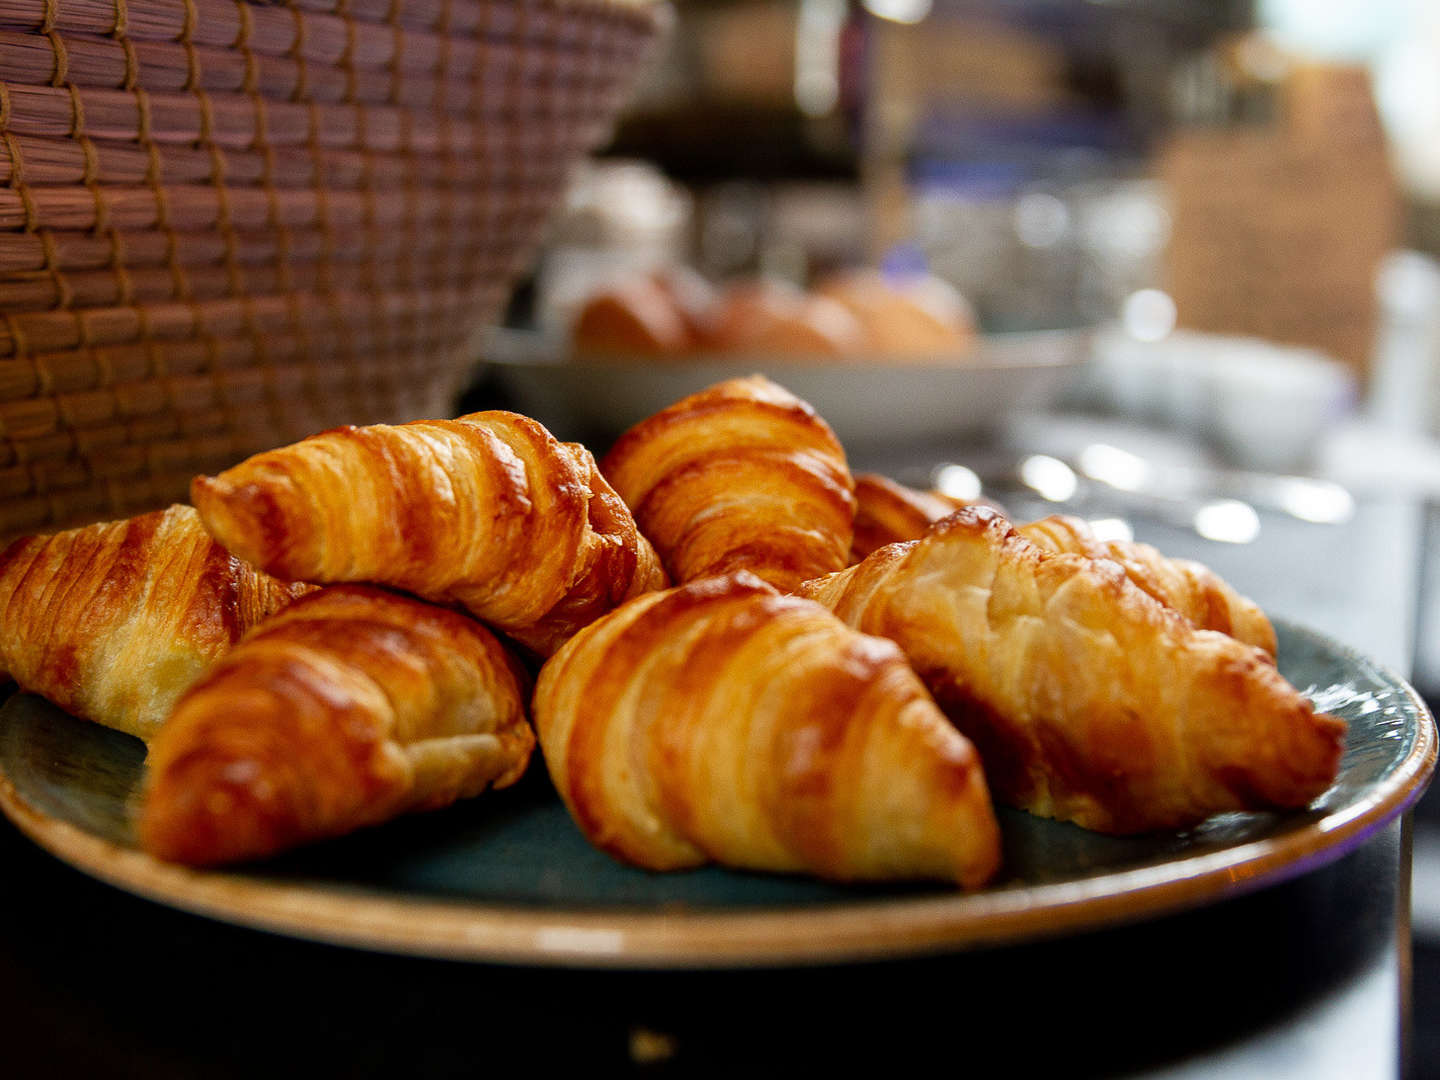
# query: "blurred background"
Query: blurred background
{"points": [[1219, 206], [1187, 251]]}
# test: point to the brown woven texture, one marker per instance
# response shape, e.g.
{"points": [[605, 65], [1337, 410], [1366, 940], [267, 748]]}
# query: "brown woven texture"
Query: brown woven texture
{"points": [[226, 224]]}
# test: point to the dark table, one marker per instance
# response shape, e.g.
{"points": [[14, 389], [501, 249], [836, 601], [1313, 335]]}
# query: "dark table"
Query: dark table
{"points": [[1304, 977]]}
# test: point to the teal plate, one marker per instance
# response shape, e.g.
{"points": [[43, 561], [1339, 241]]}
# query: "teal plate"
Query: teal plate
{"points": [[508, 878]]}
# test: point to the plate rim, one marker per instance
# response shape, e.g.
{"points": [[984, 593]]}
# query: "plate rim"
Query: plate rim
{"points": [[884, 928]]}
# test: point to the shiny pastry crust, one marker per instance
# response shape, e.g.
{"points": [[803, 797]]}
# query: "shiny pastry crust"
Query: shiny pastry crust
{"points": [[741, 476], [113, 621], [889, 513], [1088, 700], [488, 511], [349, 708], [1192, 589], [722, 721]]}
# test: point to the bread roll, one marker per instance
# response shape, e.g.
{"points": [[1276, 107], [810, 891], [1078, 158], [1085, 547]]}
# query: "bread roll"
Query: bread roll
{"points": [[635, 317], [769, 318], [911, 320]]}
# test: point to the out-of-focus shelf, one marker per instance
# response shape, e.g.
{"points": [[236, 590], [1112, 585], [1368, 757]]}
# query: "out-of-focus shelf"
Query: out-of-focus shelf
{"points": [[710, 141]]}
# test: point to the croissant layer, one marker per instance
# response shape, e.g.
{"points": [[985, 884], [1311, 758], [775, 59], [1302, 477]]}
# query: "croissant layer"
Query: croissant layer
{"points": [[489, 511], [722, 721], [887, 513], [890, 513], [741, 476], [1192, 589], [113, 621], [349, 708], [1087, 699]]}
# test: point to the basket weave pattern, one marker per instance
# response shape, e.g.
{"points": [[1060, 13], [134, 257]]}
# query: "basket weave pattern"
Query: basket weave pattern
{"points": [[226, 224]]}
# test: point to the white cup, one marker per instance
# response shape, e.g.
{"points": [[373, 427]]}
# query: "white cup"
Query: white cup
{"points": [[1268, 406]]}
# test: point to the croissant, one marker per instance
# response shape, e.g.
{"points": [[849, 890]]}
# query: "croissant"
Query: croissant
{"points": [[489, 511], [1191, 588], [1088, 700], [113, 621], [350, 707], [888, 513], [741, 476], [722, 721]]}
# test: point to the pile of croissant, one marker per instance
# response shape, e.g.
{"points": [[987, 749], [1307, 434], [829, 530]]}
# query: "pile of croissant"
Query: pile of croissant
{"points": [[726, 646]]}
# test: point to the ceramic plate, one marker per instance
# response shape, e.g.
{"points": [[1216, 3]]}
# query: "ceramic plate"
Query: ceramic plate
{"points": [[508, 878], [944, 396]]}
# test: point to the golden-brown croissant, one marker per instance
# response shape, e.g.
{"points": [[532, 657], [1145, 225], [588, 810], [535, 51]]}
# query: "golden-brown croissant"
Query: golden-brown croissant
{"points": [[1088, 700], [489, 511], [348, 708], [1191, 588], [722, 721], [741, 476], [888, 513], [113, 621]]}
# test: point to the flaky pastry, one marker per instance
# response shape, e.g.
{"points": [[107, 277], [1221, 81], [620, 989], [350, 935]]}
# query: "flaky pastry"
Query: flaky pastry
{"points": [[350, 707], [489, 511], [888, 513], [722, 721], [741, 476], [1088, 699], [113, 621]]}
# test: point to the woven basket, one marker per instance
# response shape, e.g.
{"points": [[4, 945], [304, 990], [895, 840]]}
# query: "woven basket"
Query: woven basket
{"points": [[227, 224]]}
